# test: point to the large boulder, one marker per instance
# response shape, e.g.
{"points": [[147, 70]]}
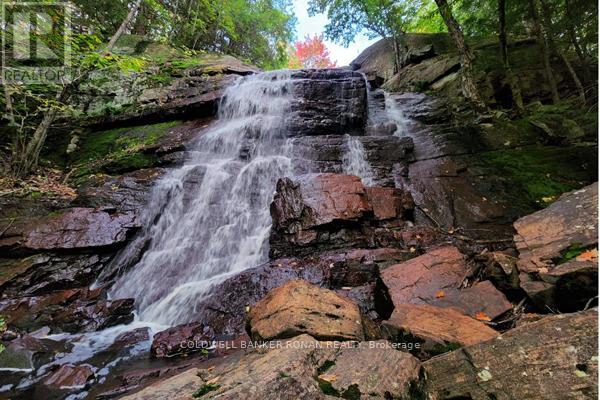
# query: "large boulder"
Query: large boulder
{"points": [[299, 368], [558, 258], [553, 358], [437, 278], [299, 307], [325, 211], [440, 329]]}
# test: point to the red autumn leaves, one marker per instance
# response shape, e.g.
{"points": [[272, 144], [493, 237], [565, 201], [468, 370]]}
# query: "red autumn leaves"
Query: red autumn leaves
{"points": [[310, 53]]}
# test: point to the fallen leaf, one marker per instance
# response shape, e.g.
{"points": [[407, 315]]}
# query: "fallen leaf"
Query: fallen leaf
{"points": [[328, 377], [589, 255], [482, 316], [440, 294]]}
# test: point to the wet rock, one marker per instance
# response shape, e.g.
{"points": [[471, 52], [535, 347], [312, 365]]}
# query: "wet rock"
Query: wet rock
{"points": [[225, 307], [72, 310], [27, 353], [554, 358], [128, 192], [321, 211], [73, 228], [436, 278], [553, 272], [385, 154], [70, 377], [127, 339], [390, 203], [46, 273], [329, 101], [440, 329], [100, 314], [299, 307], [182, 339]]}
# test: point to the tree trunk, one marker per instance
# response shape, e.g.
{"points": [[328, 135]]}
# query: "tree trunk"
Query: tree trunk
{"points": [[573, 37], [24, 163], [113, 40], [543, 42], [547, 23], [512, 80], [397, 60], [466, 57]]}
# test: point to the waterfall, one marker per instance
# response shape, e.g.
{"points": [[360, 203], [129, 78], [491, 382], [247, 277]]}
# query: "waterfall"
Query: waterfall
{"points": [[395, 115], [354, 161], [210, 218]]}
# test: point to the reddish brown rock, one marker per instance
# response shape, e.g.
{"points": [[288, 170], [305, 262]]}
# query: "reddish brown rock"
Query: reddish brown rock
{"points": [[544, 237], [375, 369], [571, 220], [130, 338], [389, 203], [73, 228], [182, 339], [555, 358], [70, 377], [437, 326], [436, 278], [299, 307], [316, 212]]}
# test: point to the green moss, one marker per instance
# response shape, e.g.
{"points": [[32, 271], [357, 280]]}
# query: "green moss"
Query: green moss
{"points": [[325, 367], [538, 174], [570, 253], [327, 388], [119, 150], [352, 393], [204, 389], [444, 348]]}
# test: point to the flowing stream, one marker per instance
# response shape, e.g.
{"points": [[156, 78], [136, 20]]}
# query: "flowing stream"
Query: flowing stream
{"points": [[395, 114], [210, 219]]}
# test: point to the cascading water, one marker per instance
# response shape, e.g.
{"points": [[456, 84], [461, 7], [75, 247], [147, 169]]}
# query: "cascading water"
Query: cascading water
{"points": [[355, 162], [395, 115], [201, 233]]}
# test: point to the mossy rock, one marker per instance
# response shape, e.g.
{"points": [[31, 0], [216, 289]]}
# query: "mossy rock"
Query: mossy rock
{"points": [[119, 150]]}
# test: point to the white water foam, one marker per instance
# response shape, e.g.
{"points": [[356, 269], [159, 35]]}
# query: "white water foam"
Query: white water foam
{"points": [[210, 219]]}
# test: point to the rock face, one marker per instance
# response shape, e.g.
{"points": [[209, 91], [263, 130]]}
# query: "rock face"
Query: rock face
{"points": [[71, 310], [301, 368], [299, 307], [194, 90], [436, 278], [75, 228], [544, 240], [373, 369], [330, 101], [387, 155], [182, 339], [321, 211], [554, 358], [437, 327]]}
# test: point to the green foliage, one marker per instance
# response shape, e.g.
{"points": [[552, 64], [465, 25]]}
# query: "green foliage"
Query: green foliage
{"points": [[378, 18], [570, 253], [204, 389]]}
